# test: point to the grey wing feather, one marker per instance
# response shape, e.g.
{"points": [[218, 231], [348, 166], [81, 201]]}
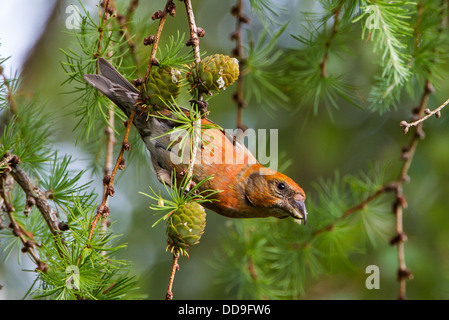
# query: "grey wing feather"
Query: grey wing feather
{"points": [[112, 74], [121, 96]]}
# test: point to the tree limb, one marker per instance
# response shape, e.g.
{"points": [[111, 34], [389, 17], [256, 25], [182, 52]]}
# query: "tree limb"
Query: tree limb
{"points": [[32, 191]]}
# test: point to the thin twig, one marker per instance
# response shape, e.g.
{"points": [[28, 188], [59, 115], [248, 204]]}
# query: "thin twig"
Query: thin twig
{"points": [[31, 191], [195, 42], [157, 36], [107, 169], [251, 269], [109, 131], [400, 203], [103, 209], [357, 207], [238, 52], [174, 268], [327, 45], [40, 199], [18, 230], [109, 6], [131, 8], [104, 16], [428, 114], [194, 39], [123, 21], [364, 203], [403, 273]]}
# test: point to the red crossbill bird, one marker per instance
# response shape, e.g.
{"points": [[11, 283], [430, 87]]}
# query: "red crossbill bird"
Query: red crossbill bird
{"points": [[248, 189]]}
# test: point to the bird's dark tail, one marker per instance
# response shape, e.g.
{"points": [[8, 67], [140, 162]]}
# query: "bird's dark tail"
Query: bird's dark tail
{"points": [[114, 86], [120, 91]]}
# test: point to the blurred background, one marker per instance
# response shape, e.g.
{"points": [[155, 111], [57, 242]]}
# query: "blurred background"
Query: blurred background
{"points": [[347, 140]]}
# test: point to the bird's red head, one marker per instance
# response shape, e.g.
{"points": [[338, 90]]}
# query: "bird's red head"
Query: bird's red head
{"points": [[275, 193]]}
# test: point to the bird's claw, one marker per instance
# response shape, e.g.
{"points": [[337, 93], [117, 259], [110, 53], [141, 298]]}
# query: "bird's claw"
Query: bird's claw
{"points": [[190, 186]]}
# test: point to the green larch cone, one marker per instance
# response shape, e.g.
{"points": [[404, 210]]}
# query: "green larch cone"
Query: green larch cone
{"points": [[162, 85], [214, 73], [185, 227]]}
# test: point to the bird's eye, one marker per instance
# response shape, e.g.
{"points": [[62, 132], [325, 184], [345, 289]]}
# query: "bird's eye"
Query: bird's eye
{"points": [[281, 186]]}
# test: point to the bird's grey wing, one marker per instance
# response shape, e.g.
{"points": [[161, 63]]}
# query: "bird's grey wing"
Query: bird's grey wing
{"points": [[108, 71], [121, 96]]}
